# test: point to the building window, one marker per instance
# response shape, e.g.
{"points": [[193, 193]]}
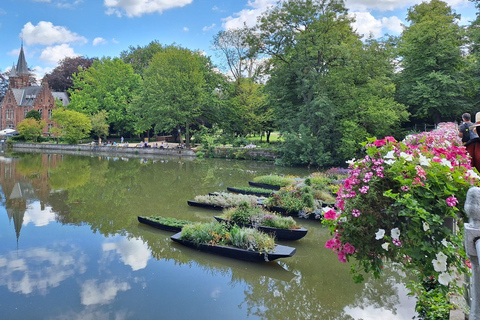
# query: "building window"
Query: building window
{"points": [[40, 111], [50, 126], [10, 126], [9, 114], [26, 111], [49, 113]]}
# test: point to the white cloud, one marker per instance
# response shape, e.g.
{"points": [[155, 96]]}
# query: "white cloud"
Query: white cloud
{"points": [[54, 54], [98, 41], [133, 252], [390, 5], [46, 33], [248, 16], [365, 24], [41, 0], [206, 28], [37, 216], [186, 29], [115, 41], [103, 293], [136, 8]]}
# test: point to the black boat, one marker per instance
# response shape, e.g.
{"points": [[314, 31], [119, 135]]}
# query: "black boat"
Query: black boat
{"points": [[264, 185], [253, 193], [279, 234], [158, 225], [237, 253], [284, 212], [204, 205]]}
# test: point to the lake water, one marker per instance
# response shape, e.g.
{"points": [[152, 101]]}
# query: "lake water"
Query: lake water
{"points": [[71, 248]]}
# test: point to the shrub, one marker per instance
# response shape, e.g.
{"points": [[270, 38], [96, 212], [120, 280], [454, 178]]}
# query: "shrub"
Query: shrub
{"points": [[274, 180], [251, 239], [226, 200]]}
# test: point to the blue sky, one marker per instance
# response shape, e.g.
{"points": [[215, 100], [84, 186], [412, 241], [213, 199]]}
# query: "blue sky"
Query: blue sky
{"points": [[54, 29]]}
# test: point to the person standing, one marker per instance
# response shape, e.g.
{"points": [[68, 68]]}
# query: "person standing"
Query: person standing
{"points": [[471, 141]]}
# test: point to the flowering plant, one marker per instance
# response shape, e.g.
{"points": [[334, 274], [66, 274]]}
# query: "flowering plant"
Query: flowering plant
{"points": [[395, 202]]}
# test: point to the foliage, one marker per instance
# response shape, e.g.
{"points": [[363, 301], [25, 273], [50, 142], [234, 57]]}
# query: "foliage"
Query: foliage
{"points": [[274, 180], [252, 190], [397, 197], [99, 124], [33, 114], [109, 85], [140, 57], [432, 82], [74, 125], [431, 301], [31, 129], [224, 199], [61, 78], [172, 222], [217, 234], [177, 88]]}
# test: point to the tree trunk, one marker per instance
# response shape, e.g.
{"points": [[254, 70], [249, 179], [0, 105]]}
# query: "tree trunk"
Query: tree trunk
{"points": [[268, 136], [187, 135]]}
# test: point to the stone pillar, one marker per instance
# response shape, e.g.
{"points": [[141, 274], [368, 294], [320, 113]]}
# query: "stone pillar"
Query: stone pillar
{"points": [[472, 247]]}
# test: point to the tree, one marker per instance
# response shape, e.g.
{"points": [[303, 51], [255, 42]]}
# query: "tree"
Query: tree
{"points": [[61, 78], [109, 85], [139, 58], [174, 93], [74, 125], [317, 71], [31, 128], [33, 114], [99, 124], [432, 83]]}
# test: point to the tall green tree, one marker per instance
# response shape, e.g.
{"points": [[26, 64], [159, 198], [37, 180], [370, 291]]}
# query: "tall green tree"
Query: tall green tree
{"points": [[175, 92], [109, 85], [139, 57], [31, 128], [318, 70], [99, 124], [432, 81]]}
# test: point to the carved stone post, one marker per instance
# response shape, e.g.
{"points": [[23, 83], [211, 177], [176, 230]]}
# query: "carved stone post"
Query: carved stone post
{"points": [[472, 247]]}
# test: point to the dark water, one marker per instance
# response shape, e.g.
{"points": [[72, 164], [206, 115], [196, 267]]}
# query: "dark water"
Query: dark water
{"points": [[71, 248]]}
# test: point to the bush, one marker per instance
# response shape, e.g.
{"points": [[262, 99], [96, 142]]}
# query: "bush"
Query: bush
{"points": [[274, 180]]}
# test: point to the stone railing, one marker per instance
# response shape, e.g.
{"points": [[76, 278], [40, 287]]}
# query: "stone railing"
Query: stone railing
{"points": [[472, 248]]}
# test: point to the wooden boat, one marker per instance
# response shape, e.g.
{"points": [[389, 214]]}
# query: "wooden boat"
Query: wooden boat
{"points": [[158, 225], [263, 185], [237, 253], [253, 193], [204, 205], [279, 234]]}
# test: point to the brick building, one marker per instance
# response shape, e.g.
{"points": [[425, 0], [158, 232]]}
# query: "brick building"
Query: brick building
{"points": [[22, 97]]}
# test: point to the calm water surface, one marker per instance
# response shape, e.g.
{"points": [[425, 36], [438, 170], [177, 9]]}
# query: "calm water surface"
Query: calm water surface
{"points": [[71, 248]]}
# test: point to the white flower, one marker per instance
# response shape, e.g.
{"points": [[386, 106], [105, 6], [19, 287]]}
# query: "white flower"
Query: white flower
{"points": [[406, 156], [447, 163], [445, 243], [342, 219], [380, 234], [350, 162], [325, 209], [444, 278], [385, 246], [389, 162], [426, 227], [390, 155], [424, 161], [473, 174], [439, 266], [395, 233], [441, 257]]}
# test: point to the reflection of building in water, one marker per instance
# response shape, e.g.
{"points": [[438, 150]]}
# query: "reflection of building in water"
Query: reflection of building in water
{"points": [[23, 183]]}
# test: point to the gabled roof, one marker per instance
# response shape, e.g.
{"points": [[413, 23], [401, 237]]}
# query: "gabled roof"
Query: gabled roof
{"points": [[13, 72], [62, 96]]}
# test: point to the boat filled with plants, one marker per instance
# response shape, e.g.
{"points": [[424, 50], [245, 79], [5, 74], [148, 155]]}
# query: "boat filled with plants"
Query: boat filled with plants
{"points": [[273, 182], [223, 200], [168, 224], [235, 242], [281, 228], [255, 191]]}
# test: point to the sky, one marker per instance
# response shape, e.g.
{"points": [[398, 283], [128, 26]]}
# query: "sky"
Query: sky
{"points": [[54, 29]]}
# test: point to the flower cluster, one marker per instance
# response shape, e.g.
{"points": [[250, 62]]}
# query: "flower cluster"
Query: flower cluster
{"points": [[394, 203]]}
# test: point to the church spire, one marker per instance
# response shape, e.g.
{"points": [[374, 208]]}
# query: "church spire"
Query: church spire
{"points": [[22, 63], [13, 71]]}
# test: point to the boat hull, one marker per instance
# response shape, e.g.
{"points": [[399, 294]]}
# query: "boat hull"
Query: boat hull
{"points": [[204, 205], [258, 194], [158, 225], [263, 185], [236, 253]]}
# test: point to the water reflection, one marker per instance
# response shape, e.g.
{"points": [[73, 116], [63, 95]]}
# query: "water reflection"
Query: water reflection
{"points": [[93, 256], [37, 270]]}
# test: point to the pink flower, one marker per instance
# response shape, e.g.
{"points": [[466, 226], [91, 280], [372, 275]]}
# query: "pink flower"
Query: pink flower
{"points": [[405, 188], [342, 256], [421, 172], [397, 242], [390, 139], [330, 215], [364, 189], [356, 213], [452, 201], [348, 248], [332, 244], [379, 143]]}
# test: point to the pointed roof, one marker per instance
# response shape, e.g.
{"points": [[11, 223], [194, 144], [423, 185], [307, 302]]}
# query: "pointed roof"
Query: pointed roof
{"points": [[13, 72], [22, 63]]}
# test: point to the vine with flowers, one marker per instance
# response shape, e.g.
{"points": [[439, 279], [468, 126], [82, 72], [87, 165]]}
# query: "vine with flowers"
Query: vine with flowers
{"points": [[394, 204]]}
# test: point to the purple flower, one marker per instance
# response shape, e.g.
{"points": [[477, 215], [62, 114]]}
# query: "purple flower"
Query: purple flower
{"points": [[356, 213], [364, 189], [397, 242], [405, 188]]}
